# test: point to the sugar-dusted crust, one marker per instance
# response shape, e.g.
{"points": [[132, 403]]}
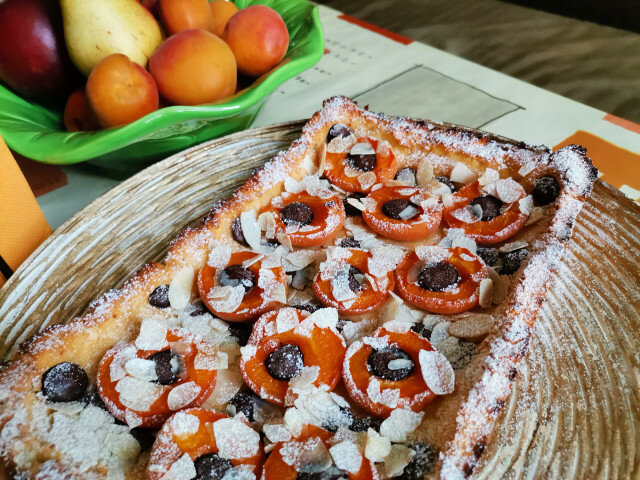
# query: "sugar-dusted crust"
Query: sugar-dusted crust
{"points": [[116, 316]]}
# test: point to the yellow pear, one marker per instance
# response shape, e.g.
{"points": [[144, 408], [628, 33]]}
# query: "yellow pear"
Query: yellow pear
{"points": [[94, 29]]}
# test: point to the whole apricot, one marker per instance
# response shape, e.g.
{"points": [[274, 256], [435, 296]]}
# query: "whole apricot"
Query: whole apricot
{"points": [[221, 11], [120, 91], [179, 15], [78, 115], [194, 67], [258, 38]]}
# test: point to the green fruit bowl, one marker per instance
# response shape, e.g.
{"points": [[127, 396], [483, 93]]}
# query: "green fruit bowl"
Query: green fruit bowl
{"points": [[37, 132]]}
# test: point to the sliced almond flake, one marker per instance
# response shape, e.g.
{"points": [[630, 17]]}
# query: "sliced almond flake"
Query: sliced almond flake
{"points": [[285, 240], [387, 396], [346, 456], [235, 439], [399, 364], [247, 352], [291, 185], [250, 229], [383, 148], [526, 205], [406, 177], [117, 367], [267, 223], [131, 419], [219, 361], [486, 292], [137, 394], [367, 180], [468, 214], [277, 202], [180, 288], [398, 458], [276, 433], [184, 424], [489, 176], [526, 169], [508, 190], [432, 253], [351, 172], [341, 144], [424, 174], [511, 246], [408, 212], [370, 204], [462, 174], [384, 259], [250, 261], [322, 159], [372, 282], [473, 327], [442, 190], [152, 335], [226, 299], [286, 319], [182, 395], [142, 369], [310, 456], [362, 148], [447, 199], [437, 372], [377, 186], [439, 333], [219, 255], [537, 213], [401, 423], [377, 447], [356, 203], [181, 469]]}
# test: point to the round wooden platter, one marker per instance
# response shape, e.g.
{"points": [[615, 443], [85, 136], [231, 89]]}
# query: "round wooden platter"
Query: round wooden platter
{"points": [[574, 411]]}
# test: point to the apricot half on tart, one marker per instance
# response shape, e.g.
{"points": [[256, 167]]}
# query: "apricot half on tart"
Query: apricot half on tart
{"points": [[171, 371], [441, 280], [401, 213], [243, 290], [310, 455], [345, 283], [307, 219], [383, 372], [483, 217], [364, 163], [292, 343], [207, 444]]}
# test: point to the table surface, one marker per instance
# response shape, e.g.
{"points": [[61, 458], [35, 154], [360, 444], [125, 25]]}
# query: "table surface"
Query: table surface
{"points": [[592, 64]]}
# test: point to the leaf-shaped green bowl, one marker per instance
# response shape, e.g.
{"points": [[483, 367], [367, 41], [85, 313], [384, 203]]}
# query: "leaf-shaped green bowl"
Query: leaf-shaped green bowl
{"points": [[38, 132]]}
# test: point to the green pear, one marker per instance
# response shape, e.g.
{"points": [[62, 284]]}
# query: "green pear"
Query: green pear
{"points": [[94, 29]]}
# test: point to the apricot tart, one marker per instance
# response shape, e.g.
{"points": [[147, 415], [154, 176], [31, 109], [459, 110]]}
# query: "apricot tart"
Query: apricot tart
{"points": [[357, 309]]}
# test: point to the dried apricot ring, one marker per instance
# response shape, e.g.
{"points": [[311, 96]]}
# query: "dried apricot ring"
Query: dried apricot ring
{"points": [[144, 386], [402, 213], [308, 220], [383, 372], [366, 163], [243, 290], [345, 283], [485, 218], [205, 441], [291, 343], [308, 454], [441, 280]]}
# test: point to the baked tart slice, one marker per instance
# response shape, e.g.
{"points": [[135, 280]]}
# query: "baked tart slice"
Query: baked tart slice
{"points": [[357, 309]]}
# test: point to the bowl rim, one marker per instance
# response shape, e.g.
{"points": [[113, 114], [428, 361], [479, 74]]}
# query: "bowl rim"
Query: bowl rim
{"points": [[60, 147]]}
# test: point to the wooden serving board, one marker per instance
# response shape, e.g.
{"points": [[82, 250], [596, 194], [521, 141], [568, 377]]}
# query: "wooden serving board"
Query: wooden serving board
{"points": [[574, 412]]}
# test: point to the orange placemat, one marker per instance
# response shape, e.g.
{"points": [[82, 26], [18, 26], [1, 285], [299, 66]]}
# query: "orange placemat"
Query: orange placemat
{"points": [[22, 223]]}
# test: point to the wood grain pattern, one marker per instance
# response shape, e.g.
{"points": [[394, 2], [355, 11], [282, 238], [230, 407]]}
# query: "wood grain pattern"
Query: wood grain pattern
{"points": [[574, 411]]}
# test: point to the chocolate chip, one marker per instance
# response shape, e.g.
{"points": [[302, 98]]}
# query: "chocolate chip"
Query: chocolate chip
{"points": [[422, 330], [349, 242], [490, 206], [338, 130], [333, 426], [356, 279], [235, 275], [407, 175], [64, 382], [160, 297], [144, 436], [448, 183], [245, 402], [198, 308], [285, 362], [379, 359], [340, 324], [236, 232], [435, 277], [511, 261], [394, 208], [463, 355], [332, 473], [308, 307], [545, 190], [421, 462], [349, 209], [489, 255], [92, 397], [166, 369], [363, 162], [364, 424], [211, 467], [297, 213], [241, 331]]}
